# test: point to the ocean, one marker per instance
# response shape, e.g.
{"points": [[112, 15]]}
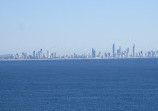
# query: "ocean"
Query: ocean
{"points": [[79, 85]]}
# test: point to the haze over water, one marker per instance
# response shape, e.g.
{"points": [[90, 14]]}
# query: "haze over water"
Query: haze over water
{"points": [[67, 26], [79, 85]]}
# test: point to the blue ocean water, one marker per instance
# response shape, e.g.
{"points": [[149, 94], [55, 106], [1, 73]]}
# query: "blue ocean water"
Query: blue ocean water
{"points": [[79, 85]]}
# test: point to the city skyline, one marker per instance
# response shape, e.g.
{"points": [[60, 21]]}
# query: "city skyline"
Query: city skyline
{"points": [[78, 55], [116, 52]]}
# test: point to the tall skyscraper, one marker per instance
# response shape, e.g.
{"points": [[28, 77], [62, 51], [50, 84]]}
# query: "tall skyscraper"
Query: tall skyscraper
{"points": [[119, 52], [93, 53], [127, 54], [41, 53], [127, 50], [113, 49], [34, 54], [48, 54], [134, 51]]}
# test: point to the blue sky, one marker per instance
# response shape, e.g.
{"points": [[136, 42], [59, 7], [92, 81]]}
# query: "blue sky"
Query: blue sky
{"points": [[66, 26]]}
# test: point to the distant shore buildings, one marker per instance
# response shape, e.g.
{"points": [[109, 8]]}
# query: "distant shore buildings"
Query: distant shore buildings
{"points": [[116, 53]]}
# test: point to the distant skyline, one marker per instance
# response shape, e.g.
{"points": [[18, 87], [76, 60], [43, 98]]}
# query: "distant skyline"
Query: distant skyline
{"points": [[117, 53], [67, 26]]}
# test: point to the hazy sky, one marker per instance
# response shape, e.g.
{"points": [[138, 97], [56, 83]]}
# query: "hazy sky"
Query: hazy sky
{"points": [[67, 26]]}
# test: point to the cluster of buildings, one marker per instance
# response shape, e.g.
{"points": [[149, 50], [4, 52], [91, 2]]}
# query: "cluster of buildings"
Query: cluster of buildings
{"points": [[116, 53], [119, 53]]}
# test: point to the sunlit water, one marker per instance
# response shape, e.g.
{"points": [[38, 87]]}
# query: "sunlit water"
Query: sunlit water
{"points": [[79, 85]]}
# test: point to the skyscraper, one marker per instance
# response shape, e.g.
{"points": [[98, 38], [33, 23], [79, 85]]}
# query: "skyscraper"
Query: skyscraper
{"points": [[119, 52], [134, 51], [54, 55], [93, 53], [48, 54], [41, 53], [113, 49], [34, 54], [127, 53]]}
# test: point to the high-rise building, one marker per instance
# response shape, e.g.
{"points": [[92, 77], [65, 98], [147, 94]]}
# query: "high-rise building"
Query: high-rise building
{"points": [[120, 48], [127, 53], [38, 55], [93, 53], [99, 55], [134, 51], [54, 55], [119, 52], [48, 54], [113, 49], [41, 53], [34, 54], [127, 50]]}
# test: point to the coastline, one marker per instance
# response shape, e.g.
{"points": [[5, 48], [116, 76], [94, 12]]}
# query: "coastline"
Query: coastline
{"points": [[76, 59]]}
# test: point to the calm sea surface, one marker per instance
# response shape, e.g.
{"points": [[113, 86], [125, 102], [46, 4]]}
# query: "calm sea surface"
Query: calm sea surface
{"points": [[79, 85]]}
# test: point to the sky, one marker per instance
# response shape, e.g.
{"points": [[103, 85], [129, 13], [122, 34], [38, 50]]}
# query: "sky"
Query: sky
{"points": [[67, 26]]}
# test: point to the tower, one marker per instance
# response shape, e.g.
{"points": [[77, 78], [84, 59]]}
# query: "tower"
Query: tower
{"points": [[93, 53], [134, 51], [48, 54], [34, 54], [41, 54], [113, 50]]}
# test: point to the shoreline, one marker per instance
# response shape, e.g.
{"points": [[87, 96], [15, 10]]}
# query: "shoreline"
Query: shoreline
{"points": [[75, 59]]}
